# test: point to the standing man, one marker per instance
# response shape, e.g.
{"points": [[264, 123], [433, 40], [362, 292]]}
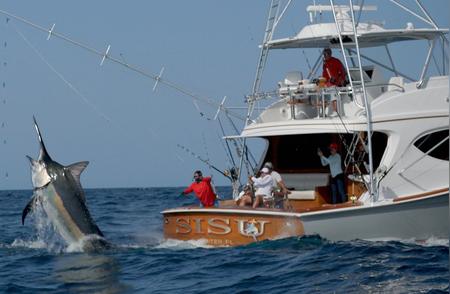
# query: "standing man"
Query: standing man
{"points": [[333, 69], [333, 72], [337, 176], [202, 189]]}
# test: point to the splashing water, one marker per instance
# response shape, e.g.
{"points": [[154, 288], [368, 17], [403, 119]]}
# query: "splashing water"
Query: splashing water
{"points": [[45, 235]]}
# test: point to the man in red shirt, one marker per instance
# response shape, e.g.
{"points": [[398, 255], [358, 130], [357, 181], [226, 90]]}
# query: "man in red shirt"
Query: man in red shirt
{"points": [[202, 189], [333, 72]]}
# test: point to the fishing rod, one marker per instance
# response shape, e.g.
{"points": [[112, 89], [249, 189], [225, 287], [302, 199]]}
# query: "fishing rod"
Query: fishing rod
{"points": [[228, 174], [106, 56]]}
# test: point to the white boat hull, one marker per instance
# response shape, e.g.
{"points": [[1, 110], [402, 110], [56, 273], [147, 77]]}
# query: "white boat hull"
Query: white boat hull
{"points": [[418, 219]]}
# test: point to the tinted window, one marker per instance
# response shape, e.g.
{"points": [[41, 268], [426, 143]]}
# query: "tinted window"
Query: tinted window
{"points": [[427, 142], [298, 153]]}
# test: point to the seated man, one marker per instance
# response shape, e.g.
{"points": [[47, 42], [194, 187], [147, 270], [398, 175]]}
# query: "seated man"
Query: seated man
{"points": [[279, 187], [263, 186], [333, 72], [245, 198]]}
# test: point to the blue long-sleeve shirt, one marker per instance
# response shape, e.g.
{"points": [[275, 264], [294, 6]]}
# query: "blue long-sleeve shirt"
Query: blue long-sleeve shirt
{"points": [[334, 161]]}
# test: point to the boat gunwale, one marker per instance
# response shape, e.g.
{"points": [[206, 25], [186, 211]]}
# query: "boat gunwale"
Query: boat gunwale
{"points": [[321, 210]]}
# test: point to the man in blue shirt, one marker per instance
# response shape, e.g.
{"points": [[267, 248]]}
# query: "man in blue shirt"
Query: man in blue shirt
{"points": [[337, 176]]}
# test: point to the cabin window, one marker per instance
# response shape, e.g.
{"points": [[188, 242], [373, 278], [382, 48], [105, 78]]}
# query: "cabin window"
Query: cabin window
{"points": [[298, 153], [435, 144]]}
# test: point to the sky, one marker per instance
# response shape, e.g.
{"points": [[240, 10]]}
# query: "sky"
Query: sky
{"points": [[110, 115]]}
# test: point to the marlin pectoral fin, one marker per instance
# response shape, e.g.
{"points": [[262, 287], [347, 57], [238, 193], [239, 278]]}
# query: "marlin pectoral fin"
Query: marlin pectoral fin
{"points": [[28, 208]]}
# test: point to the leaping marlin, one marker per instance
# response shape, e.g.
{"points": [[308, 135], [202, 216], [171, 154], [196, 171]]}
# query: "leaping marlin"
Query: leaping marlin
{"points": [[59, 190]]}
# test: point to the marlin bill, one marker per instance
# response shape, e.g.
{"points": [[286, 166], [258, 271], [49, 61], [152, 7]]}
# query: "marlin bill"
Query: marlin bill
{"points": [[58, 190]]}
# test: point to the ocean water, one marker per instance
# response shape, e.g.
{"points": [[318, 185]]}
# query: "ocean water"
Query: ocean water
{"points": [[34, 260]]}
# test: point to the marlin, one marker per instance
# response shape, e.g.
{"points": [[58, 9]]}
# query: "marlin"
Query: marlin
{"points": [[58, 189]]}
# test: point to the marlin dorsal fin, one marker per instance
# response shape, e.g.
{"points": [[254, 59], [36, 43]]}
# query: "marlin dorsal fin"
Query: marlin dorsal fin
{"points": [[76, 169]]}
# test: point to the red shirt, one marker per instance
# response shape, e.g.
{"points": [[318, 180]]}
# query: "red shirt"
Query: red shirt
{"points": [[333, 69], [203, 191]]}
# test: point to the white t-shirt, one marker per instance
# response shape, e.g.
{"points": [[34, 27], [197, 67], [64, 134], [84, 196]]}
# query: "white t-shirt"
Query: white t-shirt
{"points": [[263, 186], [276, 178]]}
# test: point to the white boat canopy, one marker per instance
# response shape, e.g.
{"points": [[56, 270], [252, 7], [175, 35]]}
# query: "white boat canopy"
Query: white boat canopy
{"points": [[369, 35]]}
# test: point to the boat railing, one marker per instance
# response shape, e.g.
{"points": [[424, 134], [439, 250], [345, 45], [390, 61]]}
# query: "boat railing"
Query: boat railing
{"points": [[308, 100], [313, 101]]}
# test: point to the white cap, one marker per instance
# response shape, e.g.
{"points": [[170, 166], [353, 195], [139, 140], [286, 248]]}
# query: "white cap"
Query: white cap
{"points": [[268, 165], [265, 170]]}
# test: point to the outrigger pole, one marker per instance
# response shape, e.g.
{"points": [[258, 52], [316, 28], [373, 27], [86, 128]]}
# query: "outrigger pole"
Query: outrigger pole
{"points": [[106, 56]]}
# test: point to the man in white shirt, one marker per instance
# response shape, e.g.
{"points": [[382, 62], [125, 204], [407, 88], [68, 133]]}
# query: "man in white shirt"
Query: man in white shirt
{"points": [[277, 181], [337, 176], [263, 186]]}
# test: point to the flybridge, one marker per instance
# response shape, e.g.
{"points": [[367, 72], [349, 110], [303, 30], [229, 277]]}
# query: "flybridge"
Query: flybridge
{"points": [[370, 34]]}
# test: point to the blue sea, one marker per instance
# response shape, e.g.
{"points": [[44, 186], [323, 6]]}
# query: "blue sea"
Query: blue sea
{"points": [[34, 260]]}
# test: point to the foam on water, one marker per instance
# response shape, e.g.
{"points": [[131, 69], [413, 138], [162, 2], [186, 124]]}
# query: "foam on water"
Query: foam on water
{"points": [[432, 241], [180, 245], [86, 244], [32, 244]]}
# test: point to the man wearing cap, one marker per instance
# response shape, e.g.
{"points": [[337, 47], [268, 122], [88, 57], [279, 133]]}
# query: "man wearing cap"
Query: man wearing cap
{"points": [[263, 186], [245, 198], [278, 183], [202, 189], [337, 176]]}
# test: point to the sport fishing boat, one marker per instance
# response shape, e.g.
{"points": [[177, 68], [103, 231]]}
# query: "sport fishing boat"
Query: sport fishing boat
{"points": [[392, 132]]}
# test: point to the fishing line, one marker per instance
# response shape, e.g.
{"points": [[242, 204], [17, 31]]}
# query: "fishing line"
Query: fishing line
{"points": [[122, 62], [3, 126], [229, 159], [241, 145], [205, 161], [206, 151], [84, 99], [229, 153], [105, 55], [60, 75]]}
